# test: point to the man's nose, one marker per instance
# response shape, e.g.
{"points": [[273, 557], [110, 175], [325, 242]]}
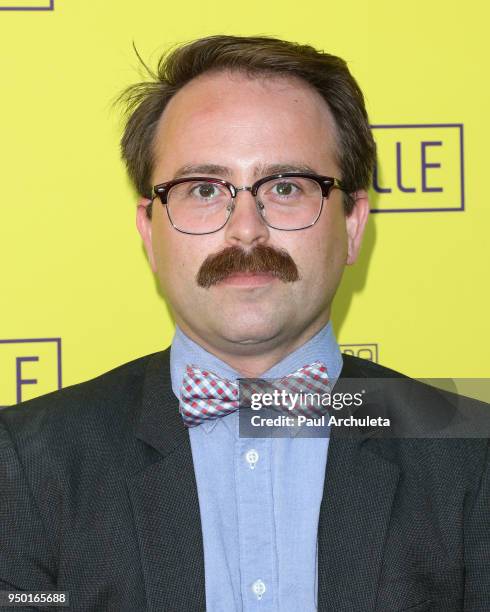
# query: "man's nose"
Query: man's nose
{"points": [[246, 226]]}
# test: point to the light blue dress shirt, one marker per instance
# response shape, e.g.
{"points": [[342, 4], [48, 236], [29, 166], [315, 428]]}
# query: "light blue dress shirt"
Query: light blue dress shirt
{"points": [[259, 498]]}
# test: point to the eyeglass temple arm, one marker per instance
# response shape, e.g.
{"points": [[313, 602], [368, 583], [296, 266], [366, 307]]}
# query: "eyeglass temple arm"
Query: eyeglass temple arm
{"points": [[340, 185]]}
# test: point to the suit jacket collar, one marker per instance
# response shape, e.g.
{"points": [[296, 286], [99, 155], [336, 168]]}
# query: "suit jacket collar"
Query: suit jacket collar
{"points": [[159, 423], [359, 488]]}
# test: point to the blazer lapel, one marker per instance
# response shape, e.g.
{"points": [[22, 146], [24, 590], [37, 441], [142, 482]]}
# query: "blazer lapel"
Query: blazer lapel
{"points": [[164, 498], [358, 494]]}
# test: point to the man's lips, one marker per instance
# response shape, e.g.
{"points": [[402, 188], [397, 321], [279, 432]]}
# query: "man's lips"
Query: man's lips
{"points": [[248, 279]]}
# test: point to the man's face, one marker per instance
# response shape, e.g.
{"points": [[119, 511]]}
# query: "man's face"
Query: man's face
{"points": [[249, 126]]}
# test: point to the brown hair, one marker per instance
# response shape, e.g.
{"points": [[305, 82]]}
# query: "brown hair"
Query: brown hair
{"points": [[327, 74]]}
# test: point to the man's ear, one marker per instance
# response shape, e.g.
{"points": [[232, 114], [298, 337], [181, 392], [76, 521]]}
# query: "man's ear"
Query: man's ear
{"points": [[143, 223], [356, 223]]}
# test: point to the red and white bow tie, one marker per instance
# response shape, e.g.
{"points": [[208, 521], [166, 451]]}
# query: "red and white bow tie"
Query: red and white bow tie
{"points": [[205, 395]]}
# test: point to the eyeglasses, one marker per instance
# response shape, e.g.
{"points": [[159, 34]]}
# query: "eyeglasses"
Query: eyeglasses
{"points": [[202, 205]]}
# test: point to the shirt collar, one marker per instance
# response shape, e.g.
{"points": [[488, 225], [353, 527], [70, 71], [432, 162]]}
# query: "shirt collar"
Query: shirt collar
{"points": [[321, 347]]}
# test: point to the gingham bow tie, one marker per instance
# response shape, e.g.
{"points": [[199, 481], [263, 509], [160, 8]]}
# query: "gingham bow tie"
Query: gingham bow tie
{"points": [[205, 395]]}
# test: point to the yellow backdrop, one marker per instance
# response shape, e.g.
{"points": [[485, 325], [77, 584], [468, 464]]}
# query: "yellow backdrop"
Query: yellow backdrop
{"points": [[78, 297]]}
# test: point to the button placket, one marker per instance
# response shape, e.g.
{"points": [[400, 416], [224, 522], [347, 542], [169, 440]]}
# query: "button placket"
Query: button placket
{"points": [[256, 525]]}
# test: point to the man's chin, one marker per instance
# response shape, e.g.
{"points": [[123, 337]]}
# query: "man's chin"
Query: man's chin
{"points": [[251, 336]]}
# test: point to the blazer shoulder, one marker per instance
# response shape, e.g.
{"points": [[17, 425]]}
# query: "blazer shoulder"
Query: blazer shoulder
{"points": [[433, 426], [105, 398]]}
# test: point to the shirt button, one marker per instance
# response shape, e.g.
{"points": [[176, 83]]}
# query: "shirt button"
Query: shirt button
{"points": [[258, 588], [252, 457]]}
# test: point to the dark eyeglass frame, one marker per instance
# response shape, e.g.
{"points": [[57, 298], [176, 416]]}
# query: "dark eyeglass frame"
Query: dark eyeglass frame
{"points": [[326, 184]]}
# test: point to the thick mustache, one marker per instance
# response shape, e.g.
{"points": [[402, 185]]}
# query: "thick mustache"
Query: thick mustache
{"points": [[262, 259]]}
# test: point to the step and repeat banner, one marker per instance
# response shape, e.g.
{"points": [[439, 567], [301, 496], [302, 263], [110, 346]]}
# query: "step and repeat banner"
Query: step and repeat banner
{"points": [[77, 295]]}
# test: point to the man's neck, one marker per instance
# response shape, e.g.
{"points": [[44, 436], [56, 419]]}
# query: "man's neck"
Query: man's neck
{"points": [[260, 357]]}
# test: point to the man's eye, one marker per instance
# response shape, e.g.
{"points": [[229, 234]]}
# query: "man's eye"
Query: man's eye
{"points": [[285, 189], [205, 191]]}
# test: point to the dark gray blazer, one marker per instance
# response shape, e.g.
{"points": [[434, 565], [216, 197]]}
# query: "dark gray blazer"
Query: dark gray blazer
{"points": [[98, 497]]}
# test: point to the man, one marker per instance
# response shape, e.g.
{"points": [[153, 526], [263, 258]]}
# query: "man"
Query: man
{"points": [[135, 491]]}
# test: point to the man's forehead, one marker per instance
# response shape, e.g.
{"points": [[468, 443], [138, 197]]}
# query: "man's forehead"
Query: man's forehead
{"points": [[246, 96], [209, 127]]}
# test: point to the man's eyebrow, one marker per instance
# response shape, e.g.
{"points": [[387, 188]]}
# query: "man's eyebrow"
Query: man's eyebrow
{"points": [[259, 171], [203, 169], [266, 169]]}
